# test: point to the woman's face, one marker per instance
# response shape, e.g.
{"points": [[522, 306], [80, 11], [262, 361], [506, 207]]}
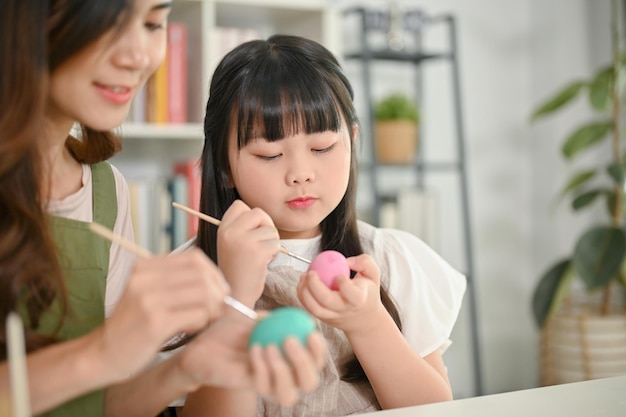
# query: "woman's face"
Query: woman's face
{"points": [[96, 86], [298, 180]]}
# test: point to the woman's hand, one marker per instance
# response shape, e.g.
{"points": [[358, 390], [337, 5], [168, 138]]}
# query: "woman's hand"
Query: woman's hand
{"points": [[219, 356], [355, 306], [247, 242], [164, 296]]}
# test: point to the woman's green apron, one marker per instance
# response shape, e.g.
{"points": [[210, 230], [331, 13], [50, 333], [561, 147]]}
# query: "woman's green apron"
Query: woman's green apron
{"points": [[84, 258]]}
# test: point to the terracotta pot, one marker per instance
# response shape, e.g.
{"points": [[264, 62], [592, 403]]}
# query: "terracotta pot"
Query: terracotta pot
{"points": [[396, 141]]}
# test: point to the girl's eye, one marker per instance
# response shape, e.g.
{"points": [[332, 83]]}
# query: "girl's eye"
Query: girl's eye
{"points": [[324, 150], [268, 157]]}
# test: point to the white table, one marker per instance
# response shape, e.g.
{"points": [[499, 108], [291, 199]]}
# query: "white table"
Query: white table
{"points": [[596, 398]]}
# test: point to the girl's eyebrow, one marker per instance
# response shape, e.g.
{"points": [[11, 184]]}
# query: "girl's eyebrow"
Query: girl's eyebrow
{"points": [[164, 5]]}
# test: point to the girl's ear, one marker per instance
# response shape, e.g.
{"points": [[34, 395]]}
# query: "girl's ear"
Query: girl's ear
{"points": [[355, 132]]}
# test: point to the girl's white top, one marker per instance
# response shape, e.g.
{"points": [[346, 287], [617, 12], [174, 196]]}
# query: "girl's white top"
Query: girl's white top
{"points": [[426, 289]]}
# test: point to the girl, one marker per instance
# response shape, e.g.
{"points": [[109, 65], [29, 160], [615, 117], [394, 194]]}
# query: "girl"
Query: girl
{"points": [[280, 133], [82, 61]]}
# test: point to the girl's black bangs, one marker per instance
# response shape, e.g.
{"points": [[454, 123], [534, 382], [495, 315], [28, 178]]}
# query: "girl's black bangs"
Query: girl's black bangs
{"points": [[299, 103]]}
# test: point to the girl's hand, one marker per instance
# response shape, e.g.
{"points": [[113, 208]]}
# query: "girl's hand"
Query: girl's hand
{"points": [[164, 296], [220, 357], [355, 306], [247, 242]]}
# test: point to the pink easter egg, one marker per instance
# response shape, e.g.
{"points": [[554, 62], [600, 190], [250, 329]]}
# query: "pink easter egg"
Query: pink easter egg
{"points": [[329, 264]]}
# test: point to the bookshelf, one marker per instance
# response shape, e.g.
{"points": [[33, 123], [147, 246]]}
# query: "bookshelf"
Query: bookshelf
{"points": [[152, 151]]}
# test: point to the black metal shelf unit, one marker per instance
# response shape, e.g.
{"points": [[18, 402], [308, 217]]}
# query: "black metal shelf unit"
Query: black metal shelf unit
{"points": [[414, 23]]}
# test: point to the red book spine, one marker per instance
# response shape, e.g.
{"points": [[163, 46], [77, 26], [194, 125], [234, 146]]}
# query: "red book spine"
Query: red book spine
{"points": [[177, 72], [191, 170]]}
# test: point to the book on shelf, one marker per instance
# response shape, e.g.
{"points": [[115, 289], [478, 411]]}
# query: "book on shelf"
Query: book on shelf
{"points": [[190, 169], [167, 89], [150, 213], [177, 72], [156, 104], [414, 211], [179, 228]]}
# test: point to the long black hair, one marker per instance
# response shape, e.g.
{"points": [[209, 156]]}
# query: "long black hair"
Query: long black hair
{"points": [[36, 37], [273, 89]]}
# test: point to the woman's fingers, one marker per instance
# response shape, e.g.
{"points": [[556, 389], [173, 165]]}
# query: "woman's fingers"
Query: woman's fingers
{"points": [[282, 375], [304, 367]]}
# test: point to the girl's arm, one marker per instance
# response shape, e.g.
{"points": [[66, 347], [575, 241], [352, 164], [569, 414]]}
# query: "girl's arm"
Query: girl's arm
{"points": [[398, 375]]}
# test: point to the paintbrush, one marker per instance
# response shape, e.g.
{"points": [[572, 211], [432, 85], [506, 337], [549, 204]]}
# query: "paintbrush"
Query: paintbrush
{"points": [[141, 252], [216, 222]]}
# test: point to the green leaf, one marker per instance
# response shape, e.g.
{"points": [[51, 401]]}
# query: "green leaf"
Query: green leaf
{"points": [[599, 254], [584, 137], [550, 291], [586, 198], [559, 100], [578, 179], [600, 89], [397, 107], [618, 173]]}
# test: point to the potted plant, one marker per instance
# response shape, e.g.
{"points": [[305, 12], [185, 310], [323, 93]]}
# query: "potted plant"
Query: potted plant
{"points": [[396, 131], [583, 333]]}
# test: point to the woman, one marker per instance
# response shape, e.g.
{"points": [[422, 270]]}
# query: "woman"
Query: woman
{"points": [[80, 62]]}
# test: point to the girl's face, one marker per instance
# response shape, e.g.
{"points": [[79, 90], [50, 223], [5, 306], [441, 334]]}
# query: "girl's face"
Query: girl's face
{"points": [[96, 86], [298, 180]]}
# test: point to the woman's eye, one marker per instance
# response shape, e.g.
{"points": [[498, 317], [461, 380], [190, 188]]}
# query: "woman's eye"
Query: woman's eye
{"points": [[152, 26]]}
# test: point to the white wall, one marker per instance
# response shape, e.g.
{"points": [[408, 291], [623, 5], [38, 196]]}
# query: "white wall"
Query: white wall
{"points": [[513, 54]]}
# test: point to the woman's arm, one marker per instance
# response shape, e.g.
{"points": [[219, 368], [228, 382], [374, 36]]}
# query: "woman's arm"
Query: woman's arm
{"points": [[164, 296], [271, 374], [64, 371]]}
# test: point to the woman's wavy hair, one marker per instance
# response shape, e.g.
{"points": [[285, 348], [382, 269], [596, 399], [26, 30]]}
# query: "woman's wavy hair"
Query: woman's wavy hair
{"points": [[36, 38], [274, 89]]}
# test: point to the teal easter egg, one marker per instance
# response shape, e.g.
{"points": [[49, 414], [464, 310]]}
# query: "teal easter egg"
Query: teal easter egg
{"points": [[281, 323]]}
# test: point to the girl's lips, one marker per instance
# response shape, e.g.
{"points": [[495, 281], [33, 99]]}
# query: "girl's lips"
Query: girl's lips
{"points": [[117, 94], [301, 203]]}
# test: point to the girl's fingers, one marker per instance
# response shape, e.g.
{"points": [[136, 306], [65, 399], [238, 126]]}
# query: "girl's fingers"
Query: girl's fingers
{"points": [[364, 265]]}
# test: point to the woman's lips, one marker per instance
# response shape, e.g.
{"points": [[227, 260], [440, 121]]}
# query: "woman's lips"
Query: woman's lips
{"points": [[115, 94], [301, 203]]}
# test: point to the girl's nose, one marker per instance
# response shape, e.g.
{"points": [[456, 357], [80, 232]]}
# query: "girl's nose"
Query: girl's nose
{"points": [[300, 175]]}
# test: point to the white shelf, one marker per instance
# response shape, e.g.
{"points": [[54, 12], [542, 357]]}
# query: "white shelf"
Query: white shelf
{"points": [[141, 131]]}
